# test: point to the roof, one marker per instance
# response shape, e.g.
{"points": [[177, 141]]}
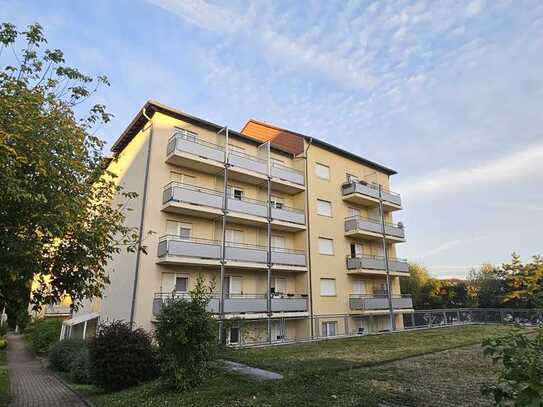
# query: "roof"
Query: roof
{"points": [[281, 140], [151, 107], [287, 140]]}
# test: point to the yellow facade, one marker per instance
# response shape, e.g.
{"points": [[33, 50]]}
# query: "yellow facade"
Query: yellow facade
{"points": [[171, 162]]}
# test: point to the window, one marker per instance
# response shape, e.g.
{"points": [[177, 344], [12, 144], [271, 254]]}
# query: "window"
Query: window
{"points": [[328, 287], [278, 242], [322, 171], [329, 328], [182, 178], [356, 250], [359, 287], [326, 246], [354, 212], [234, 334], [234, 236], [352, 178], [324, 208], [279, 285], [232, 286], [186, 135], [182, 230], [277, 161], [276, 202], [380, 288], [181, 284], [235, 193]]}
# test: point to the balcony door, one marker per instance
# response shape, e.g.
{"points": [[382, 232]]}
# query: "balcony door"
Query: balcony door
{"points": [[235, 193], [278, 331], [359, 288], [179, 229], [232, 286], [352, 178], [279, 285], [175, 283], [234, 236], [356, 250], [278, 242], [182, 178], [276, 202]]}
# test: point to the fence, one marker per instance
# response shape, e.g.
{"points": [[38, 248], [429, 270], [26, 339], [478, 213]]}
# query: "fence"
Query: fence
{"points": [[246, 332]]}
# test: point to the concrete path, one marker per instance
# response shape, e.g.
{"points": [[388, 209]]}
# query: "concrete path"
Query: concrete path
{"points": [[254, 372], [33, 385]]}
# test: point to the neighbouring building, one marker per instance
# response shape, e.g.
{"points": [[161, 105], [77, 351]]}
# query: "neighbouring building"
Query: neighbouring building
{"points": [[292, 224]]}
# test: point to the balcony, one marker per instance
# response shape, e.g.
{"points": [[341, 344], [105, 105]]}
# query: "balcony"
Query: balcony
{"points": [[368, 228], [191, 200], [247, 168], [287, 179], [376, 265], [241, 303], [57, 310], [367, 194], [187, 150], [373, 302], [178, 250]]}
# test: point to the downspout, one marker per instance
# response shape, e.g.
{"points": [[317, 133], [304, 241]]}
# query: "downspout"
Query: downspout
{"points": [[144, 201], [309, 234]]}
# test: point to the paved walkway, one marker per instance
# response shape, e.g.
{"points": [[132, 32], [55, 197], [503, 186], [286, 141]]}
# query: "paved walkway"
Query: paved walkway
{"points": [[33, 385], [254, 372]]}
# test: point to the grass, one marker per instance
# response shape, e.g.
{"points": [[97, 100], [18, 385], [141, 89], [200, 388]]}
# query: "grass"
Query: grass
{"points": [[369, 371], [4, 380], [343, 354]]}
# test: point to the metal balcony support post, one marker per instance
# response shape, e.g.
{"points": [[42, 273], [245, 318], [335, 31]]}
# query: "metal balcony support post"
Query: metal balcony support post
{"points": [[387, 269], [346, 324], [317, 327], [222, 338], [269, 254]]}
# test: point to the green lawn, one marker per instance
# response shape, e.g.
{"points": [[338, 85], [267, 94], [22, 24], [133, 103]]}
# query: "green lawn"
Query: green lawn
{"points": [[4, 380], [346, 372], [350, 353]]}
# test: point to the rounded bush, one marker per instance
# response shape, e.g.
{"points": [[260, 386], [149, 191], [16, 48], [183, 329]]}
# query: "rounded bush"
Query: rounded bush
{"points": [[3, 344], [79, 367], [62, 353], [121, 357], [43, 334]]}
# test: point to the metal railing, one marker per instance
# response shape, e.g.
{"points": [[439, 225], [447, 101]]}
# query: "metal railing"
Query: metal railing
{"points": [[371, 185], [374, 262], [398, 225]]}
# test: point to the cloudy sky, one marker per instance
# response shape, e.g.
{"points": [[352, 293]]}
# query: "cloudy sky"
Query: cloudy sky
{"points": [[448, 93]]}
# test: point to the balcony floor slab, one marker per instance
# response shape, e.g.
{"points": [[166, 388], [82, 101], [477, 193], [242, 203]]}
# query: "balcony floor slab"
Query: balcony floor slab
{"points": [[194, 162]]}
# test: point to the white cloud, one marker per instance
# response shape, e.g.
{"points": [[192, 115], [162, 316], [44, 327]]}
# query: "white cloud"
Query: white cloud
{"points": [[474, 8], [516, 166], [451, 244], [202, 14]]}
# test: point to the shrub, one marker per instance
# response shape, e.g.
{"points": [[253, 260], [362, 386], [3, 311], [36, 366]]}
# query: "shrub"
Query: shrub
{"points": [[79, 367], [3, 344], [186, 334], [3, 330], [521, 378], [121, 357], [63, 352], [43, 334]]}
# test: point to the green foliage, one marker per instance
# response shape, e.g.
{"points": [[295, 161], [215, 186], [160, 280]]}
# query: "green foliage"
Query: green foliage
{"points": [[62, 353], [187, 336], [71, 356], [58, 226], [3, 330], [523, 282], [521, 379], [43, 334], [121, 357], [3, 343]]}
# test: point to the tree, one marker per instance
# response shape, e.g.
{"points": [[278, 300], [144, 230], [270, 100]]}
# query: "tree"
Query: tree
{"points": [[415, 283], [523, 282], [57, 224], [486, 286], [187, 336]]}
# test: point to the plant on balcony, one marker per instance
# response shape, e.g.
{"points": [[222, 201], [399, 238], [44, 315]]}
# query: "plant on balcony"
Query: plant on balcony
{"points": [[187, 336], [521, 380]]}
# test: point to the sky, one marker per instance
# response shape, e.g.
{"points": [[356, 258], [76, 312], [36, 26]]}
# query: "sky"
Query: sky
{"points": [[448, 93]]}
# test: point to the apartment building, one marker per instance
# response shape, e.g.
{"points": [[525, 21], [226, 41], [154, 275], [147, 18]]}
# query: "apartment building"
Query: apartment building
{"points": [[287, 228]]}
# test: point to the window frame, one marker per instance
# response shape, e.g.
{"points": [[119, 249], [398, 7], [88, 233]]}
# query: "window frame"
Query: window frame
{"points": [[319, 200], [321, 286], [321, 238], [317, 165]]}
